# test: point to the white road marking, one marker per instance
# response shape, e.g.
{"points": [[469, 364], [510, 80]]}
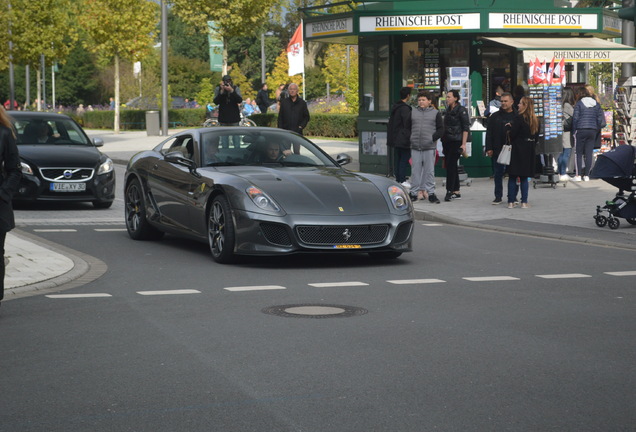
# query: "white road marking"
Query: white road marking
{"points": [[490, 278], [563, 276], [432, 224], [337, 284], [621, 273], [255, 288], [170, 292], [63, 296], [55, 230], [109, 229], [415, 281]]}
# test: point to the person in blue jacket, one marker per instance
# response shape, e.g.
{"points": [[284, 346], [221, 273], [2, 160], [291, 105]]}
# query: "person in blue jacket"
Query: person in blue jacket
{"points": [[587, 122]]}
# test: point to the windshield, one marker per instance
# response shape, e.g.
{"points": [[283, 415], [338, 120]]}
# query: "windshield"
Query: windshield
{"points": [[49, 131], [275, 148]]}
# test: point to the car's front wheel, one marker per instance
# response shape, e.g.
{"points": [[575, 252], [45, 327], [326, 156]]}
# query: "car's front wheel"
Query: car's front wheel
{"points": [[136, 223], [221, 234]]}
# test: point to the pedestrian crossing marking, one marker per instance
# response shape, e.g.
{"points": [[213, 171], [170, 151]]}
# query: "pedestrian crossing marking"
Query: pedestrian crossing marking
{"points": [[415, 281], [51, 230], [337, 284], [490, 278], [255, 288], [564, 276], [70, 296], [621, 273], [169, 292]]}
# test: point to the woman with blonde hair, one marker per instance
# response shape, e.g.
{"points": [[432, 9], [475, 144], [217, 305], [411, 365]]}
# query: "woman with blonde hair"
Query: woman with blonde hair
{"points": [[11, 173], [524, 131]]}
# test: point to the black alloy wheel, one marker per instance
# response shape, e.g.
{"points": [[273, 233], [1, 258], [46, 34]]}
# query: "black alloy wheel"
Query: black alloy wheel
{"points": [[136, 223], [221, 234]]}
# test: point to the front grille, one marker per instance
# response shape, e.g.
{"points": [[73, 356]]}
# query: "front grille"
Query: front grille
{"points": [[66, 174], [330, 235], [276, 234]]}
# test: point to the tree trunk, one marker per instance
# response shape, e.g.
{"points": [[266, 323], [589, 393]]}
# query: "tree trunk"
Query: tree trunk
{"points": [[116, 124]]}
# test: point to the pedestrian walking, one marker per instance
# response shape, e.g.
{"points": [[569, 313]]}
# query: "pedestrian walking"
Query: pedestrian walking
{"points": [[524, 131], [262, 99], [293, 114], [9, 181], [587, 122], [427, 126], [496, 138], [563, 162], [456, 128], [399, 135]]}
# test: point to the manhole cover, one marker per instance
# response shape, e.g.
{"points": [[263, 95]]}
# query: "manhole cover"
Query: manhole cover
{"points": [[314, 311]]}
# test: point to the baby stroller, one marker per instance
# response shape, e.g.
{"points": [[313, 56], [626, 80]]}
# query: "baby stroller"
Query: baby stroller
{"points": [[617, 167]]}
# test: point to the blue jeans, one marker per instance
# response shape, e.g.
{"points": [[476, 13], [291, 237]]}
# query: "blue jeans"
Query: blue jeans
{"points": [[512, 189], [563, 161], [498, 173], [402, 156]]}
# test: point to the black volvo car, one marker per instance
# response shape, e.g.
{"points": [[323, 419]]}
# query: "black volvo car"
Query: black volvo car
{"points": [[60, 162]]}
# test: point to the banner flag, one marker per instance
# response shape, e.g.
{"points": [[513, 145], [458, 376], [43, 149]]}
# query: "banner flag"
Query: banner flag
{"points": [[296, 52]]}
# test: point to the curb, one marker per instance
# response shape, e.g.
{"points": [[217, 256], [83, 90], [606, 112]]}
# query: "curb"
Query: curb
{"points": [[85, 269], [435, 217]]}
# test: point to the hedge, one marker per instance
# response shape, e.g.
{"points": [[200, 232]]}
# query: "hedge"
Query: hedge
{"points": [[325, 125]]}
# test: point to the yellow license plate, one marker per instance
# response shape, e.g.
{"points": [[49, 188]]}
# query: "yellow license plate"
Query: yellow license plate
{"points": [[347, 246]]}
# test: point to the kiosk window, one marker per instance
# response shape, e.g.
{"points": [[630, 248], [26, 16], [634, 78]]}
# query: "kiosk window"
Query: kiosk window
{"points": [[375, 77]]}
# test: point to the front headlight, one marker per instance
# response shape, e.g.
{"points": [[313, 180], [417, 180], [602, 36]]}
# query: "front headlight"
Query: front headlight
{"points": [[261, 199], [398, 198], [26, 168], [106, 167]]}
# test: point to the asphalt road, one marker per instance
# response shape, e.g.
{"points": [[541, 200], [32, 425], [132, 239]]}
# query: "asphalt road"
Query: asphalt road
{"points": [[475, 330]]}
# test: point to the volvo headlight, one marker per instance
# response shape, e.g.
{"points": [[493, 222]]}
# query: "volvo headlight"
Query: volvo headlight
{"points": [[106, 167], [261, 199], [398, 198], [26, 168]]}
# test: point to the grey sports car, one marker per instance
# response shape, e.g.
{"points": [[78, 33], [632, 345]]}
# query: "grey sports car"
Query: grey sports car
{"points": [[263, 191]]}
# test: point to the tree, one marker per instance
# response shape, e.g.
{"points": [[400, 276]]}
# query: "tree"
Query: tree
{"points": [[117, 29], [231, 18], [46, 27], [279, 74], [341, 72]]}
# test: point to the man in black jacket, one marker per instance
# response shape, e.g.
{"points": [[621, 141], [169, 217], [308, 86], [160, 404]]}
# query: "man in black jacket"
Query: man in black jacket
{"points": [[399, 134], [496, 138], [228, 97], [293, 114]]}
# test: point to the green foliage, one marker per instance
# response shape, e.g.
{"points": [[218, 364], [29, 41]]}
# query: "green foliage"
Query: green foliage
{"points": [[316, 85], [342, 75], [333, 125], [123, 28], [136, 119], [186, 75], [279, 74], [42, 27], [77, 80], [239, 79], [206, 91], [186, 40]]}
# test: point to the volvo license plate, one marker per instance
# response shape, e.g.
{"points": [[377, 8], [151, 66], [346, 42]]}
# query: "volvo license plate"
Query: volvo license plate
{"points": [[68, 187]]}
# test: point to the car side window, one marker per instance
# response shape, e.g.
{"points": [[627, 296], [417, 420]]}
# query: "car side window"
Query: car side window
{"points": [[183, 144]]}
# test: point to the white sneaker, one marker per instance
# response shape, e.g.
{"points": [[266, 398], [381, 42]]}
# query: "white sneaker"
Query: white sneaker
{"points": [[406, 184], [564, 177], [576, 178], [586, 178]]}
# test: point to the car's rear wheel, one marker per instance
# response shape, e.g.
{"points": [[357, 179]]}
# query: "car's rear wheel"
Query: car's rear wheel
{"points": [[136, 223], [385, 255], [221, 234]]}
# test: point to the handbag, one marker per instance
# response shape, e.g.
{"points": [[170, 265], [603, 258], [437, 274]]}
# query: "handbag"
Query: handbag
{"points": [[506, 151], [567, 124]]}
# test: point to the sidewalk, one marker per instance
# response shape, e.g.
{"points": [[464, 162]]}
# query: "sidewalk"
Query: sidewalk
{"points": [[560, 213]]}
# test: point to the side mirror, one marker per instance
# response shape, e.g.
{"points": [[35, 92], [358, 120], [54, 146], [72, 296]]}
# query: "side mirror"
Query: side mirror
{"points": [[177, 157], [343, 159], [98, 142]]}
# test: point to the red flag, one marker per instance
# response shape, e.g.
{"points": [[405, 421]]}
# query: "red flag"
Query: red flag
{"points": [[296, 52], [562, 67], [530, 72], [550, 73]]}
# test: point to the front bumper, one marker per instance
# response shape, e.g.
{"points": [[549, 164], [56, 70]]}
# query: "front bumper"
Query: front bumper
{"points": [[258, 234], [99, 188]]}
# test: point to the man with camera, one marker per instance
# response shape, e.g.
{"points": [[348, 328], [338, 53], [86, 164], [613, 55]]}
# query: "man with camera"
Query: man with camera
{"points": [[227, 97]]}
